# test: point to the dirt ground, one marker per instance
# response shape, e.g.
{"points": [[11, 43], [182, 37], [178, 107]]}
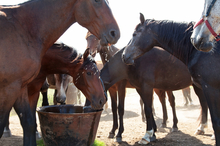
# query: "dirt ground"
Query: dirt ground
{"points": [[135, 128]]}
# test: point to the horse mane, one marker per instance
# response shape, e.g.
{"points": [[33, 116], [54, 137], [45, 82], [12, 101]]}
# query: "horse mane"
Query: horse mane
{"points": [[176, 35], [69, 54]]}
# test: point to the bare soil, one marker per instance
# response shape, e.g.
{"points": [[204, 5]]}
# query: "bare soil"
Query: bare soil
{"points": [[135, 128]]}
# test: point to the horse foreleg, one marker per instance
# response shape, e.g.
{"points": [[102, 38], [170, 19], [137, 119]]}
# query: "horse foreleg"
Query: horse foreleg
{"points": [[204, 111], [142, 110], [162, 97], [212, 97], [33, 99], [146, 93], [45, 99], [22, 107], [8, 97], [121, 97], [172, 104], [43, 91], [113, 95], [54, 97]]}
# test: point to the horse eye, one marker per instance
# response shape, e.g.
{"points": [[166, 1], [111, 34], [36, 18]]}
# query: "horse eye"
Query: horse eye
{"points": [[89, 73], [134, 34]]}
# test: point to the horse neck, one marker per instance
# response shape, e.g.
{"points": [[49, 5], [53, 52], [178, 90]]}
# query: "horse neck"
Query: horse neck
{"points": [[45, 21], [107, 53], [181, 49], [115, 70], [53, 63]]}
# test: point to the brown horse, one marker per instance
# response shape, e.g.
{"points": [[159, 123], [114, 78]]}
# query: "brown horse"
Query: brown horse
{"points": [[28, 30], [65, 60], [106, 53]]}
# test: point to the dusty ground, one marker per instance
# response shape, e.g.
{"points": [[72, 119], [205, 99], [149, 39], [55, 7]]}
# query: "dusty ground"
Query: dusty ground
{"points": [[135, 128]]}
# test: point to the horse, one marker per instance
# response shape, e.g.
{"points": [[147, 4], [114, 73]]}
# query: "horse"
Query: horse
{"points": [[62, 59], [58, 82], [187, 96], [106, 53], [204, 67], [28, 30], [206, 30], [151, 71]]}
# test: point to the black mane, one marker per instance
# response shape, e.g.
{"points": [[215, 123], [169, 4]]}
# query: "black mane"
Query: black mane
{"points": [[176, 35]]}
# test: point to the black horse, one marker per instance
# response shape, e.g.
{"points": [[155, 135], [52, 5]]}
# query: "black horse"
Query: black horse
{"points": [[204, 67]]}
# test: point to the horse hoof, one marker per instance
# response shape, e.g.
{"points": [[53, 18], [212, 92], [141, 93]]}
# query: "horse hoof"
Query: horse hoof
{"points": [[118, 139], [143, 141], [153, 138], [213, 137], [111, 135], [199, 132], [38, 136], [174, 130], [7, 133], [163, 125]]}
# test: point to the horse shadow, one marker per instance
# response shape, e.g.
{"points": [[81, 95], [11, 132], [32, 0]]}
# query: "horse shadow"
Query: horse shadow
{"points": [[172, 138], [108, 116]]}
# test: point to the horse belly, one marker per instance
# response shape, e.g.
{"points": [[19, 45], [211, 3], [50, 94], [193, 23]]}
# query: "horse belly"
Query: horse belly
{"points": [[173, 81]]}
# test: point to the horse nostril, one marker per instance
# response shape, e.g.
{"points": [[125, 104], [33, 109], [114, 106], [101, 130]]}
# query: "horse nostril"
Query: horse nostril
{"points": [[113, 33], [101, 102]]}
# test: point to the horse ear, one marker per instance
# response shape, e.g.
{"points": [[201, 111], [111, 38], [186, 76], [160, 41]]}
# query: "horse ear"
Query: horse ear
{"points": [[142, 18], [86, 53]]}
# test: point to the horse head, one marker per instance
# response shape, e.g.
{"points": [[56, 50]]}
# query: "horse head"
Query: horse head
{"points": [[206, 31], [62, 82], [97, 17], [93, 43], [142, 40], [88, 81]]}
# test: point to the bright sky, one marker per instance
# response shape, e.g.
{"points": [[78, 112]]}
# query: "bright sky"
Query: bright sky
{"points": [[126, 13]]}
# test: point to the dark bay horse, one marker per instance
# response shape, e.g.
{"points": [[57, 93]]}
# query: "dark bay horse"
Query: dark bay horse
{"points": [[27, 31], [204, 67], [106, 53], [156, 69], [62, 59]]}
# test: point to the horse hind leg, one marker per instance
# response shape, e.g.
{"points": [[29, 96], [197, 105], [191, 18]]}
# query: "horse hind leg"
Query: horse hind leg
{"points": [[187, 96], [172, 104], [162, 97]]}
